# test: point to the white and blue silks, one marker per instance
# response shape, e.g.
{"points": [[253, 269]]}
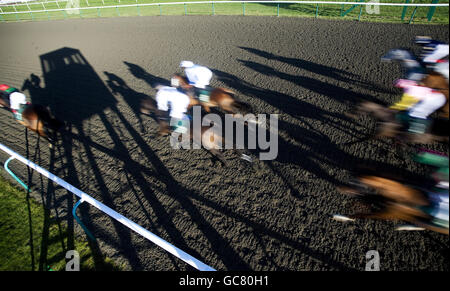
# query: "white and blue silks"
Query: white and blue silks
{"points": [[178, 103]]}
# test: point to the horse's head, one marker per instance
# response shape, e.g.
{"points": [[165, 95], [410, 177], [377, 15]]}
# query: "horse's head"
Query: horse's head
{"points": [[178, 80], [397, 55]]}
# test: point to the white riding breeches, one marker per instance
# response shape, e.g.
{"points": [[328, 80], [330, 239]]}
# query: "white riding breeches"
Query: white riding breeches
{"points": [[427, 105], [440, 52], [16, 99], [171, 97]]}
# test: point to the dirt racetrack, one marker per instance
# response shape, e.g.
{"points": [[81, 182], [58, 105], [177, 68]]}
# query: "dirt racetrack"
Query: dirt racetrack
{"points": [[274, 215]]}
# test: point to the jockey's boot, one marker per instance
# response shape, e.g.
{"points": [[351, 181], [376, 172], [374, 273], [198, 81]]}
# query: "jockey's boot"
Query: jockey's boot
{"points": [[418, 125]]}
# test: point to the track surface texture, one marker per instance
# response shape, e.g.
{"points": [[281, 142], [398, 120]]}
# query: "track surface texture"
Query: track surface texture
{"points": [[272, 215]]}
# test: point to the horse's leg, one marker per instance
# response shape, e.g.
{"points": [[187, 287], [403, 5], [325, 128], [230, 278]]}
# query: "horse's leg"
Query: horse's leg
{"points": [[218, 156], [206, 107], [387, 129], [163, 128], [3, 103], [379, 215]]}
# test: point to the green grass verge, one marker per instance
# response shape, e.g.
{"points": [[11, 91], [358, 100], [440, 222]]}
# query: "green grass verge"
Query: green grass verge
{"points": [[386, 13], [30, 239]]}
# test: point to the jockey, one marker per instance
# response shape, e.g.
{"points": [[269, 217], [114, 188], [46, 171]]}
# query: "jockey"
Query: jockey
{"points": [[198, 76], [433, 54], [438, 193], [171, 98], [418, 103], [17, 101]]}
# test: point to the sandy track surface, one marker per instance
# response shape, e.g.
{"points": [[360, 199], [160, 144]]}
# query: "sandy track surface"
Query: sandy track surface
{"points": [[271, 216]]}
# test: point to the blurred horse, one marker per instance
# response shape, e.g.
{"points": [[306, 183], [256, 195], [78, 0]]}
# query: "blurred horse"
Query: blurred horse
{"points": [[388, 199], [219, 97], [39, 119], [390, 127], [211, 141]]}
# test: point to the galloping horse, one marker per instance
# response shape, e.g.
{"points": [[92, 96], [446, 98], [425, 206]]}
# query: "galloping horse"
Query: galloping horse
{"points": [[211, 140], [37, 118], [413, 68], [391, 200], [390, 127], [219, 97]]}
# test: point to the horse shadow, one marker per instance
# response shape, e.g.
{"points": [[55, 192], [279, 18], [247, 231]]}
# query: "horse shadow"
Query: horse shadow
{"points": [[340, 75]]}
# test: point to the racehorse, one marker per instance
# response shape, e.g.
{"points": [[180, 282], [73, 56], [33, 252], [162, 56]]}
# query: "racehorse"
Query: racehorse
{"points": [[212, 141], [219, 97], [39, 119], [388, 199], [413, 68], [390, 127]]}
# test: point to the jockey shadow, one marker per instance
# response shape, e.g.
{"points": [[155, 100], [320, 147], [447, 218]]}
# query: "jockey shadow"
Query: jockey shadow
{"points": [[133, 98], [319, 69], [337, 93], [139, 73]]}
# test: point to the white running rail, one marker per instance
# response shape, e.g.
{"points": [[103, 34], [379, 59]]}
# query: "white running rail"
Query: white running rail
{"points": [[125, 221], [220, 2]]}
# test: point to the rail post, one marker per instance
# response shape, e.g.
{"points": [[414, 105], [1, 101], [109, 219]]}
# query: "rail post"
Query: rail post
{"points": [[432, 10], [185, 9], [278, 9], [243, 8], [360, 12], [405, 8], [317, 10], [412, 16], [13, 175], [74, 214], [213, 9]]}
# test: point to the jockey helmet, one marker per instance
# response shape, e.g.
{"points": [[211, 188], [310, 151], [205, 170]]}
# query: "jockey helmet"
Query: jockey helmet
{"points": [[186, 64]]}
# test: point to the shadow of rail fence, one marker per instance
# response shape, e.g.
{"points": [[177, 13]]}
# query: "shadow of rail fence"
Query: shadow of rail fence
{"points": [[401, 11]]}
